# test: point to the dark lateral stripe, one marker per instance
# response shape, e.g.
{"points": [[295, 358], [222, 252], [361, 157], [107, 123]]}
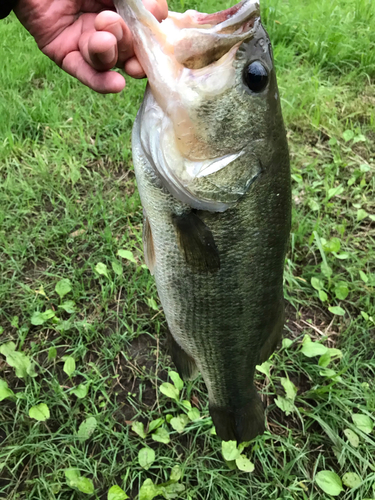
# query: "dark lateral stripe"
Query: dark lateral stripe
{"points": [[6, 7]]}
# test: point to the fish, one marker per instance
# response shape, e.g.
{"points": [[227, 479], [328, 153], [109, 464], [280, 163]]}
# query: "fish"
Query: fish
{"points": [[211, 160]]}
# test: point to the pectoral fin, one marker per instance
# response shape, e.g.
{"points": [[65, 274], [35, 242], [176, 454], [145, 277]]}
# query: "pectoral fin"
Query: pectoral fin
{"points": [[196, 242]]}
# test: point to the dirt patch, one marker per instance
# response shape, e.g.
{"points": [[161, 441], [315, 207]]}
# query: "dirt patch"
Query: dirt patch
{"points": [[137, 370]]}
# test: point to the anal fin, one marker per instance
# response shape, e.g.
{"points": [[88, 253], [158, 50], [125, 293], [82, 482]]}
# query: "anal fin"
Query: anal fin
{"points": [[185, 364], [196, 242]]}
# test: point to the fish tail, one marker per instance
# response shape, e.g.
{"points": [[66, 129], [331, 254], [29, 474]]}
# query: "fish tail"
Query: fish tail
{"points": [[185, 364], [242, 424]]}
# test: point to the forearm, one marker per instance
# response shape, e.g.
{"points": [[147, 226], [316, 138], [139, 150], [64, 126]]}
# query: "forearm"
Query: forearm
{"points": [[6, 6]]}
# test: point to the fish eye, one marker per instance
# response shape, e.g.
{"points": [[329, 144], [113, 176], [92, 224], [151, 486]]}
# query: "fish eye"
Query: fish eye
{"points": [[256, 76]]}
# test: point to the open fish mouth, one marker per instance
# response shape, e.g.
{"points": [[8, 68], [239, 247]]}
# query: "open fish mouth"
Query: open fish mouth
{"points": [[189, 59]]}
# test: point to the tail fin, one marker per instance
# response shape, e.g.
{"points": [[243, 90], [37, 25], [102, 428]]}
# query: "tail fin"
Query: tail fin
{"points": [[185, 364], [239, 425]]}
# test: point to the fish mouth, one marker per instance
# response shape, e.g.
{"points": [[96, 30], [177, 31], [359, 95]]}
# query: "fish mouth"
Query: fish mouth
{"points": [[190, 40], [188, 59]]}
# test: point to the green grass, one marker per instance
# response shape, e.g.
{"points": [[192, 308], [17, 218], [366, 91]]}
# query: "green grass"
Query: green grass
{"points": [[68, 201]]}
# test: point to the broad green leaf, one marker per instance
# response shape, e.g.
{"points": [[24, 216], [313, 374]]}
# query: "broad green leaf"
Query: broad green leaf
{"points": [[176, 379], [365, 316], [72, 476], [179, 423], [265, 368], [102, 269], [323, 296], [335, 353], [85, 485], [342, 256], [348, 135], [363, 422], [5, 392], [52, 353], [139, 429], [363, 276], [317, 283], [341, 290], [39, 318], [231, 464], [86, 428], [313, 204], [289, 387], [155, 424], [117, 267], [1, 330], [148, 490], [325, 359], [152, 304], [351, 480], [171, 491], [161, 436], [229, 450], [327, 372], [285, 405], [186, 404], [333, 245], [312, 349], [329, 482], [39, 412], [146, 457], [116, 493], [194, 414], [244, 464], [286, 344], [359, 138], [63, 287], [17, 360], [361, 215], [169, 390], [69, 366], [15, 321], [176, 474], [352, 437], [81, 390], [365, 168], [69, 306], [126, 254], [337, 310], [336, 191], [326, 270]]}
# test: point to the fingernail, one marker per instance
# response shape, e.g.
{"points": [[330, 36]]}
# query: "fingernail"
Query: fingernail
{"points": [[117, 31], [108, 56]]}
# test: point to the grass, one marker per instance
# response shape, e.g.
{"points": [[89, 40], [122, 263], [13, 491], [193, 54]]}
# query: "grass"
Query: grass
{"points": [[68, 202]]}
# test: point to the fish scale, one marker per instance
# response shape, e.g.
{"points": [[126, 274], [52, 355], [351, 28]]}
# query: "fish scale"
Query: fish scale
{"points": [[215, 242]]}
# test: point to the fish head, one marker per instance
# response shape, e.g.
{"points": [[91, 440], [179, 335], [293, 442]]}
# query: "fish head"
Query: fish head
{"points": [[213, 105]]}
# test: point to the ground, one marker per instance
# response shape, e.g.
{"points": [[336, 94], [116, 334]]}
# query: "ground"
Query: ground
{"points": [[83, 356]]}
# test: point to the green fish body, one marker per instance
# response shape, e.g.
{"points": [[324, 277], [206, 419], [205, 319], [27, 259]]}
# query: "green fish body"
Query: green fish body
{"points": [[212, 166]]}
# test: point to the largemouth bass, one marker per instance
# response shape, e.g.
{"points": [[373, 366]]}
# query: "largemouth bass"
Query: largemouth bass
{"points": [[212, 167]]}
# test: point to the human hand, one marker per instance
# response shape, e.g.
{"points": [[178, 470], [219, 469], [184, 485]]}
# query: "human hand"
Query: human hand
{"points": [[86, 38]]}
